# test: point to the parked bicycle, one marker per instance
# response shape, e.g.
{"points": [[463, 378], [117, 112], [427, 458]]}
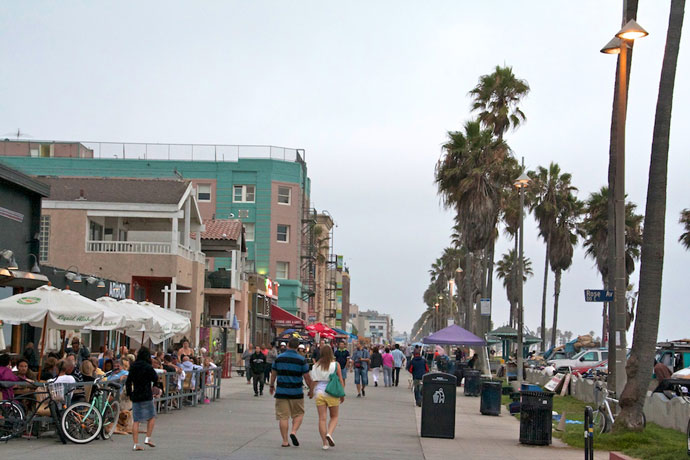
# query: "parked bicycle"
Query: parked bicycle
{"points": [[49, 401], [605, 416], [83, 421]]}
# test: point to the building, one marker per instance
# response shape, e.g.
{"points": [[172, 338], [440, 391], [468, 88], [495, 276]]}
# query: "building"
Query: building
{"points": [[20, 227], [134, 232], [375, 326], [265, 187]]}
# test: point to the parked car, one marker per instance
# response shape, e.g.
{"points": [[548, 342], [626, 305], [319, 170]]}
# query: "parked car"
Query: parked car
{"points": [[584, 359], [675, 355]]}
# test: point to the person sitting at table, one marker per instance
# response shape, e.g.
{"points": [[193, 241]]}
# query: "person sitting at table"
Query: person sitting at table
{"points": [[49, 370], [65, 369], [185, 350], [30, 356], [119, 373], [6, 375], [23, 370], [88, 371], [108, 365], [97, 371]]}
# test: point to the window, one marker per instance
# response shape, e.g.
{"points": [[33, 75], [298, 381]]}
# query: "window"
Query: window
{"points": [[249, 231], [43, 238], [244, 193], [605, 355], [591, 356], [283, 233], [95, 231], [282, 270], [249, 266], [203, 192], [284, 195]]}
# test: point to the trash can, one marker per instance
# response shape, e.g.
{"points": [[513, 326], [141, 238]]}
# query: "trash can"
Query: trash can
{"points": [[491, 397], [438, 405], [535, 418], [460, 367], [472, 381]]}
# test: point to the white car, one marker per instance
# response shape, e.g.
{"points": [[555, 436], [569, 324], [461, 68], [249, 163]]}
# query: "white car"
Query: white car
{"points": [[589, 356]]}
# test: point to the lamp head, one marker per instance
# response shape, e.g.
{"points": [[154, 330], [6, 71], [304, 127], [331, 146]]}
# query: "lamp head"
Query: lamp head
{"points": [[100, 284], [522, 181], [632, 31], [35, 268], [612, 47]]}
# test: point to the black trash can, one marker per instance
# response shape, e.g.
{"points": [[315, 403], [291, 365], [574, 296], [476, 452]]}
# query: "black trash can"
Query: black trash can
{"points": [[490, 397], [438, 406], [535, 418], [472, 382], [459, 369]]}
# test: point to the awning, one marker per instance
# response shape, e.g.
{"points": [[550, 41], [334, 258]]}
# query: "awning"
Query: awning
{"points": [[282, 318], [21, 279]]}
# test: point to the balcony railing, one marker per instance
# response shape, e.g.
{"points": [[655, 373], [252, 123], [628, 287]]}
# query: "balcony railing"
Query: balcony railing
{"points": [[129, 247]]}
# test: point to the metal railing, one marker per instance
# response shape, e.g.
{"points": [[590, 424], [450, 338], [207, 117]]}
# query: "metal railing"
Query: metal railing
{"points": [[197, 386]]}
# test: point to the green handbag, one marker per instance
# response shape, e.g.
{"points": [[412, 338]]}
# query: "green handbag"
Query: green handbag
{"points": [[334, 388]]}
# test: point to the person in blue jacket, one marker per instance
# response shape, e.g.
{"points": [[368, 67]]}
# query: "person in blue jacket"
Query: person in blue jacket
{"points": [[418, 367]]}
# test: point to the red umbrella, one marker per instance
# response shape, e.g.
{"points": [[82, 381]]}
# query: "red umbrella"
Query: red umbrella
{"points": [[323, 330]]}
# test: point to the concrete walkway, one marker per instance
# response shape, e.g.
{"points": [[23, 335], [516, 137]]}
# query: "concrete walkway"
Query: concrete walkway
{"points": [[489, 437], [383, 425]]}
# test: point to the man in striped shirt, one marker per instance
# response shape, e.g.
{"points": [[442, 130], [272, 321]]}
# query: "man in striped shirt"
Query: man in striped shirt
{"points": [[288, 369]]}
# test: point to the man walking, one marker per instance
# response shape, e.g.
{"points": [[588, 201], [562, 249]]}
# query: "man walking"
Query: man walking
{"points": [[288, 370], [247, 368], [270, 357], [342, 356], [398, 362], [361, 359], [418, 367], [257, 361]]}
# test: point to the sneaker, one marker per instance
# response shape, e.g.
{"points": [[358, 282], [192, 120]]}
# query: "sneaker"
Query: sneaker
{"points": [[261, 393], [376, 384], [256, 395], [363, 393], [359, 395]]}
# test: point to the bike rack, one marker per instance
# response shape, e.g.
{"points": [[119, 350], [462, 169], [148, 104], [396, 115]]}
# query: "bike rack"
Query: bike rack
{"points": [[589, 433]]}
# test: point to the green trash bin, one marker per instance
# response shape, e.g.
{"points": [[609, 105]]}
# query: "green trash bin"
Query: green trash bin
{"points": [[535, 417]]}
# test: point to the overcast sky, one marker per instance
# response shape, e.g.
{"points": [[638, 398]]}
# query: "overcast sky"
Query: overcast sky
{"points": [[369, 90]]}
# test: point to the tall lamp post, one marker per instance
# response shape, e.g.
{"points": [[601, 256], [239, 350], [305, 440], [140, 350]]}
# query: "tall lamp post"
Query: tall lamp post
{"points": [[521, 183], [457, 304], [618, 320]]}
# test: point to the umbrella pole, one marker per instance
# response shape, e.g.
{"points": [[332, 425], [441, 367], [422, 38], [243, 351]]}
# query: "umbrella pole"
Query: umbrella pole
{"points": [[43, 345], [142, 337]]}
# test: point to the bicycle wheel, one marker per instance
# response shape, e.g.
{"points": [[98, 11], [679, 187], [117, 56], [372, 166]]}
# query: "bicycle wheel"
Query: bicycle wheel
{"points": [[55, 413], [598, 421], [12, 420], [110, 416], [81, 423]]}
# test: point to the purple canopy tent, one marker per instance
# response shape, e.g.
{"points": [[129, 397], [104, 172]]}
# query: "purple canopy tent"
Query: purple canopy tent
{"points": [[454, 335]]}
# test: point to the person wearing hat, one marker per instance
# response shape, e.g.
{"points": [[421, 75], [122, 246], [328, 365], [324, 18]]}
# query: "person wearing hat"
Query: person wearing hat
{"points": [[301, 349], [418, 367]]}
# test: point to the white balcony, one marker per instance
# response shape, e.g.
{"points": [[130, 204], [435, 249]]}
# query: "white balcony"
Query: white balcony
{"points": [[129, 247]]}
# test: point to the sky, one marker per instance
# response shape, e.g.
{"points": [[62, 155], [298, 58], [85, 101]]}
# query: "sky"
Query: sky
{"points": [[369, 90]]}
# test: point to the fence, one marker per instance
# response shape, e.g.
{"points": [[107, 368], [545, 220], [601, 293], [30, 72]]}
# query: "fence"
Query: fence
{"points": [[196, 386]]}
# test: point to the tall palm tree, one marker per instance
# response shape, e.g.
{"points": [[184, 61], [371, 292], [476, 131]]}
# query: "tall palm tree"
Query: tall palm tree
{"points": [[595, 229], [685, 220], [469, 176], [639, 366], [547, 189], [507, 270], [563, 240], [497, 97]]}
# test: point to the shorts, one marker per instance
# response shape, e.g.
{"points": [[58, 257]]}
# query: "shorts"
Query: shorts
{"points": [[343, 370], [361, 375], [143, 411], [324, 399], [289, 408]]}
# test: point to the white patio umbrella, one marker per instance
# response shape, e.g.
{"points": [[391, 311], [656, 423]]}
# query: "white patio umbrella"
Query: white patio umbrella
{"points": [[173, 323], [112, 318], [50, 308]]}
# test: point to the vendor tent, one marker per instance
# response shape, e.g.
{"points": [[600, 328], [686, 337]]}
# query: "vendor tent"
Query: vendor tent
{"points": [[453, 335]]}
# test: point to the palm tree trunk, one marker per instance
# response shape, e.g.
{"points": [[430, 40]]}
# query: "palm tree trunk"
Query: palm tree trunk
{"points": [[604, 318], [543, 295], [485, 268], [468, 291], [556, 293], [490, 275], [639, 367]]}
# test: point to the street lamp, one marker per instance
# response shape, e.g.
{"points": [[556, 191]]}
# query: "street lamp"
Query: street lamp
{"points": [[521, 183], [617, 321]]}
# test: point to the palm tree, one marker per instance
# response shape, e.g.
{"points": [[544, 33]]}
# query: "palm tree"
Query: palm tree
{"points": [[639, 367], [507, 270], [548, 187], [685, 220], [497, 97], [563, 240], [469, 177], [595, 229]]}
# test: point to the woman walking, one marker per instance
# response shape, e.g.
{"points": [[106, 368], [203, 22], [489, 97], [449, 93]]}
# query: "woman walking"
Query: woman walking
{"points": [[387, 358], [321, 375], [376, 363], [139, 382]]}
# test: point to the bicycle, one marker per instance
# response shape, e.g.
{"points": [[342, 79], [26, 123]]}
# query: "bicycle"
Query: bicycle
{"points": [[604, 417], [14, 420], [82, 422]]}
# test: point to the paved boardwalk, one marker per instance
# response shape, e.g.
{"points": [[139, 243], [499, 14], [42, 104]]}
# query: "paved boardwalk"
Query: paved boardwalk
{"points": [[384, 425]]}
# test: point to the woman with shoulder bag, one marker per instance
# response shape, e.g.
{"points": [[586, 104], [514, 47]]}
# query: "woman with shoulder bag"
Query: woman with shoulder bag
{"points": [[328, 386]]}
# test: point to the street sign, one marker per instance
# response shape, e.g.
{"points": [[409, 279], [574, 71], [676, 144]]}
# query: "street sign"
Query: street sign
{"points": [[598, 295], [485, 307]]}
